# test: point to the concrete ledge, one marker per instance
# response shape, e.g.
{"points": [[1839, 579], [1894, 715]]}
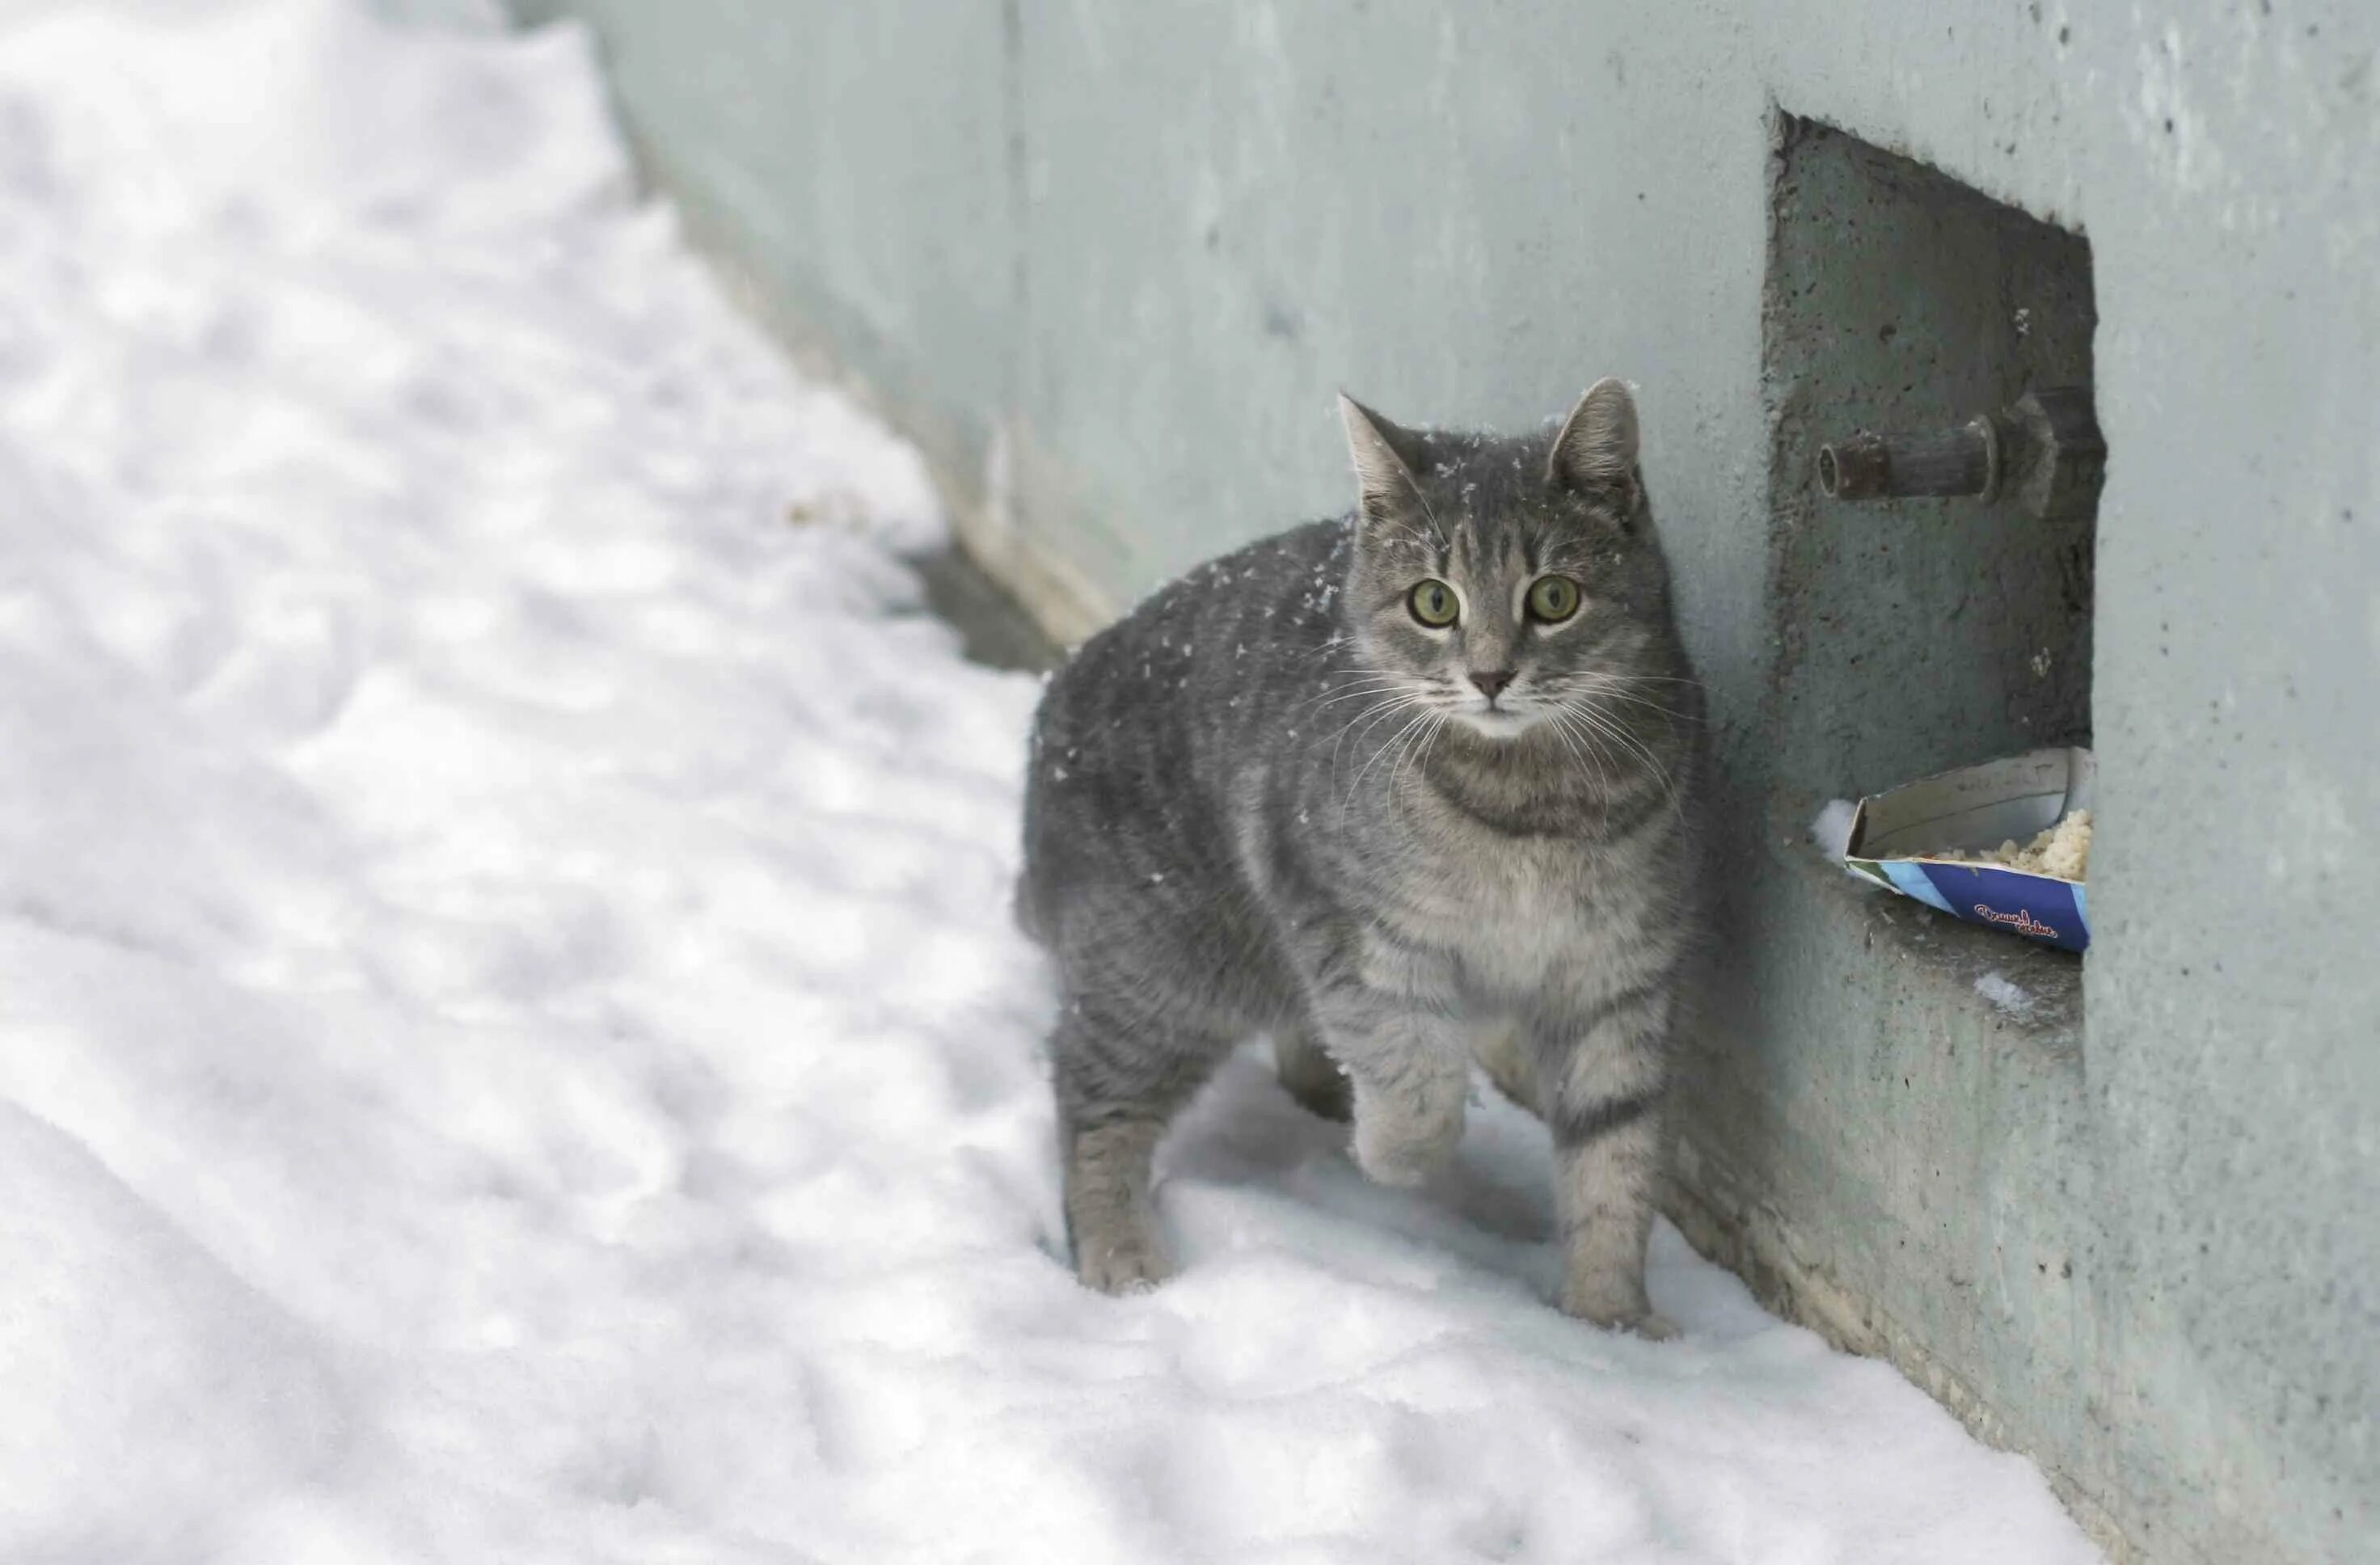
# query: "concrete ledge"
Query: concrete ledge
{"points": [[1922, 1192]]}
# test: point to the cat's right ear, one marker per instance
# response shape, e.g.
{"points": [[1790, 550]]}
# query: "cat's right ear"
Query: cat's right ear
{"points": [[1383, 454]]}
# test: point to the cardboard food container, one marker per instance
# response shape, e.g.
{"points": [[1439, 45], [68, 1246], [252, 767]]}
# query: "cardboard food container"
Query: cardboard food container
{"points": [[1975, 808]]}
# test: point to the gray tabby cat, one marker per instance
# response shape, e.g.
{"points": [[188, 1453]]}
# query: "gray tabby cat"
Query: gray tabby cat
{"points": [[1401, 790]]}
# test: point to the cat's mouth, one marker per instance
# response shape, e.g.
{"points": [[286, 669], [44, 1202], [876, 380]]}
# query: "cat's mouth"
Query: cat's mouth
{"points": [[1499, 723]]}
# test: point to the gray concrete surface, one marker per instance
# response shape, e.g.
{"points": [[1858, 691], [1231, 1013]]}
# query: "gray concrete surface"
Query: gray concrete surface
{"points": [[1108, 263]]}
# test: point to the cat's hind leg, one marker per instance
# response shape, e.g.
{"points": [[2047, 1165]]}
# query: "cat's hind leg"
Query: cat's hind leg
{"points": [[1109, 1219], [1310, 1075], [1501, 1047], [1120, 1080]]}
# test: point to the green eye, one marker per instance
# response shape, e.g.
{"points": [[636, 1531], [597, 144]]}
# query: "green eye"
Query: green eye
{"points": [[1553, 597], [1432, 603]]}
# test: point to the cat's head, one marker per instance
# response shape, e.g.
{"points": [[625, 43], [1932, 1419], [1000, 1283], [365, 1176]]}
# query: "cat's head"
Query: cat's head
{"points": [[1505, 583]]}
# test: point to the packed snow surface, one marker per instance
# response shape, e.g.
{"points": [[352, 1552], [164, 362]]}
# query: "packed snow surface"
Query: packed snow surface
{"points": [[512, 1047]]}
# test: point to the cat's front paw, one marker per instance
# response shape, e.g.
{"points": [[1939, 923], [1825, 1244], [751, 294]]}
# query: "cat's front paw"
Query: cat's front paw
{"points": [[1131, 1265], [1630, 1315], [1651, 1325], [1405, 1151]]}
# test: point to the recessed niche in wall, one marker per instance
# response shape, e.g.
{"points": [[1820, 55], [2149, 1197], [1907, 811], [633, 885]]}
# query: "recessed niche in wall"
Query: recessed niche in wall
{"points": [[1916, 635]]}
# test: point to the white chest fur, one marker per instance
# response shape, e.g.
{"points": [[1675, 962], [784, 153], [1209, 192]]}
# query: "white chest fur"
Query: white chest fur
{"points": [[1515, 911]]}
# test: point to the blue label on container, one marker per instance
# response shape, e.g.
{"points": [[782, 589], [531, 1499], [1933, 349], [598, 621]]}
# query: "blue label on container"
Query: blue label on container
{"points": [[1908, 879], [2034, 905]]}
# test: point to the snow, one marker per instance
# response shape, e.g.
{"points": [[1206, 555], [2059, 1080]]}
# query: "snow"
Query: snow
{"points": [[513, 1049], [1830, 828], [2006, 995]]}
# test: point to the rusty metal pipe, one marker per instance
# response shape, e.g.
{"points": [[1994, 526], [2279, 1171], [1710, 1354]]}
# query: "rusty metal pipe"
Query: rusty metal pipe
{"points": [[2044, 450], [1936, 464]]}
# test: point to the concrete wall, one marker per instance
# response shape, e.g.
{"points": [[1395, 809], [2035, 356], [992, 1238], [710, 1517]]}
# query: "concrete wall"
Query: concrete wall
{"points": [[1109, 261]]}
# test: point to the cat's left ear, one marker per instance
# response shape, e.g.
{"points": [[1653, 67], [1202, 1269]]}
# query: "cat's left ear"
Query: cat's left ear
{"points": [[1596, 452]]}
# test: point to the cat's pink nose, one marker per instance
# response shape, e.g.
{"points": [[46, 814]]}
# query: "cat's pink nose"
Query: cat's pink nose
{"points": [[1491, 683]]}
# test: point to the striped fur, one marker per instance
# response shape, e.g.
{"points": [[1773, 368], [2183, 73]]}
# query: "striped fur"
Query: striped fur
{"points": [[1272, 799]]}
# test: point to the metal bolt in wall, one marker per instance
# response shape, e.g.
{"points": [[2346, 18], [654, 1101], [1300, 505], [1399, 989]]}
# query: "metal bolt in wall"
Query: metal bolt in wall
{"points": [[2044, 449]]}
